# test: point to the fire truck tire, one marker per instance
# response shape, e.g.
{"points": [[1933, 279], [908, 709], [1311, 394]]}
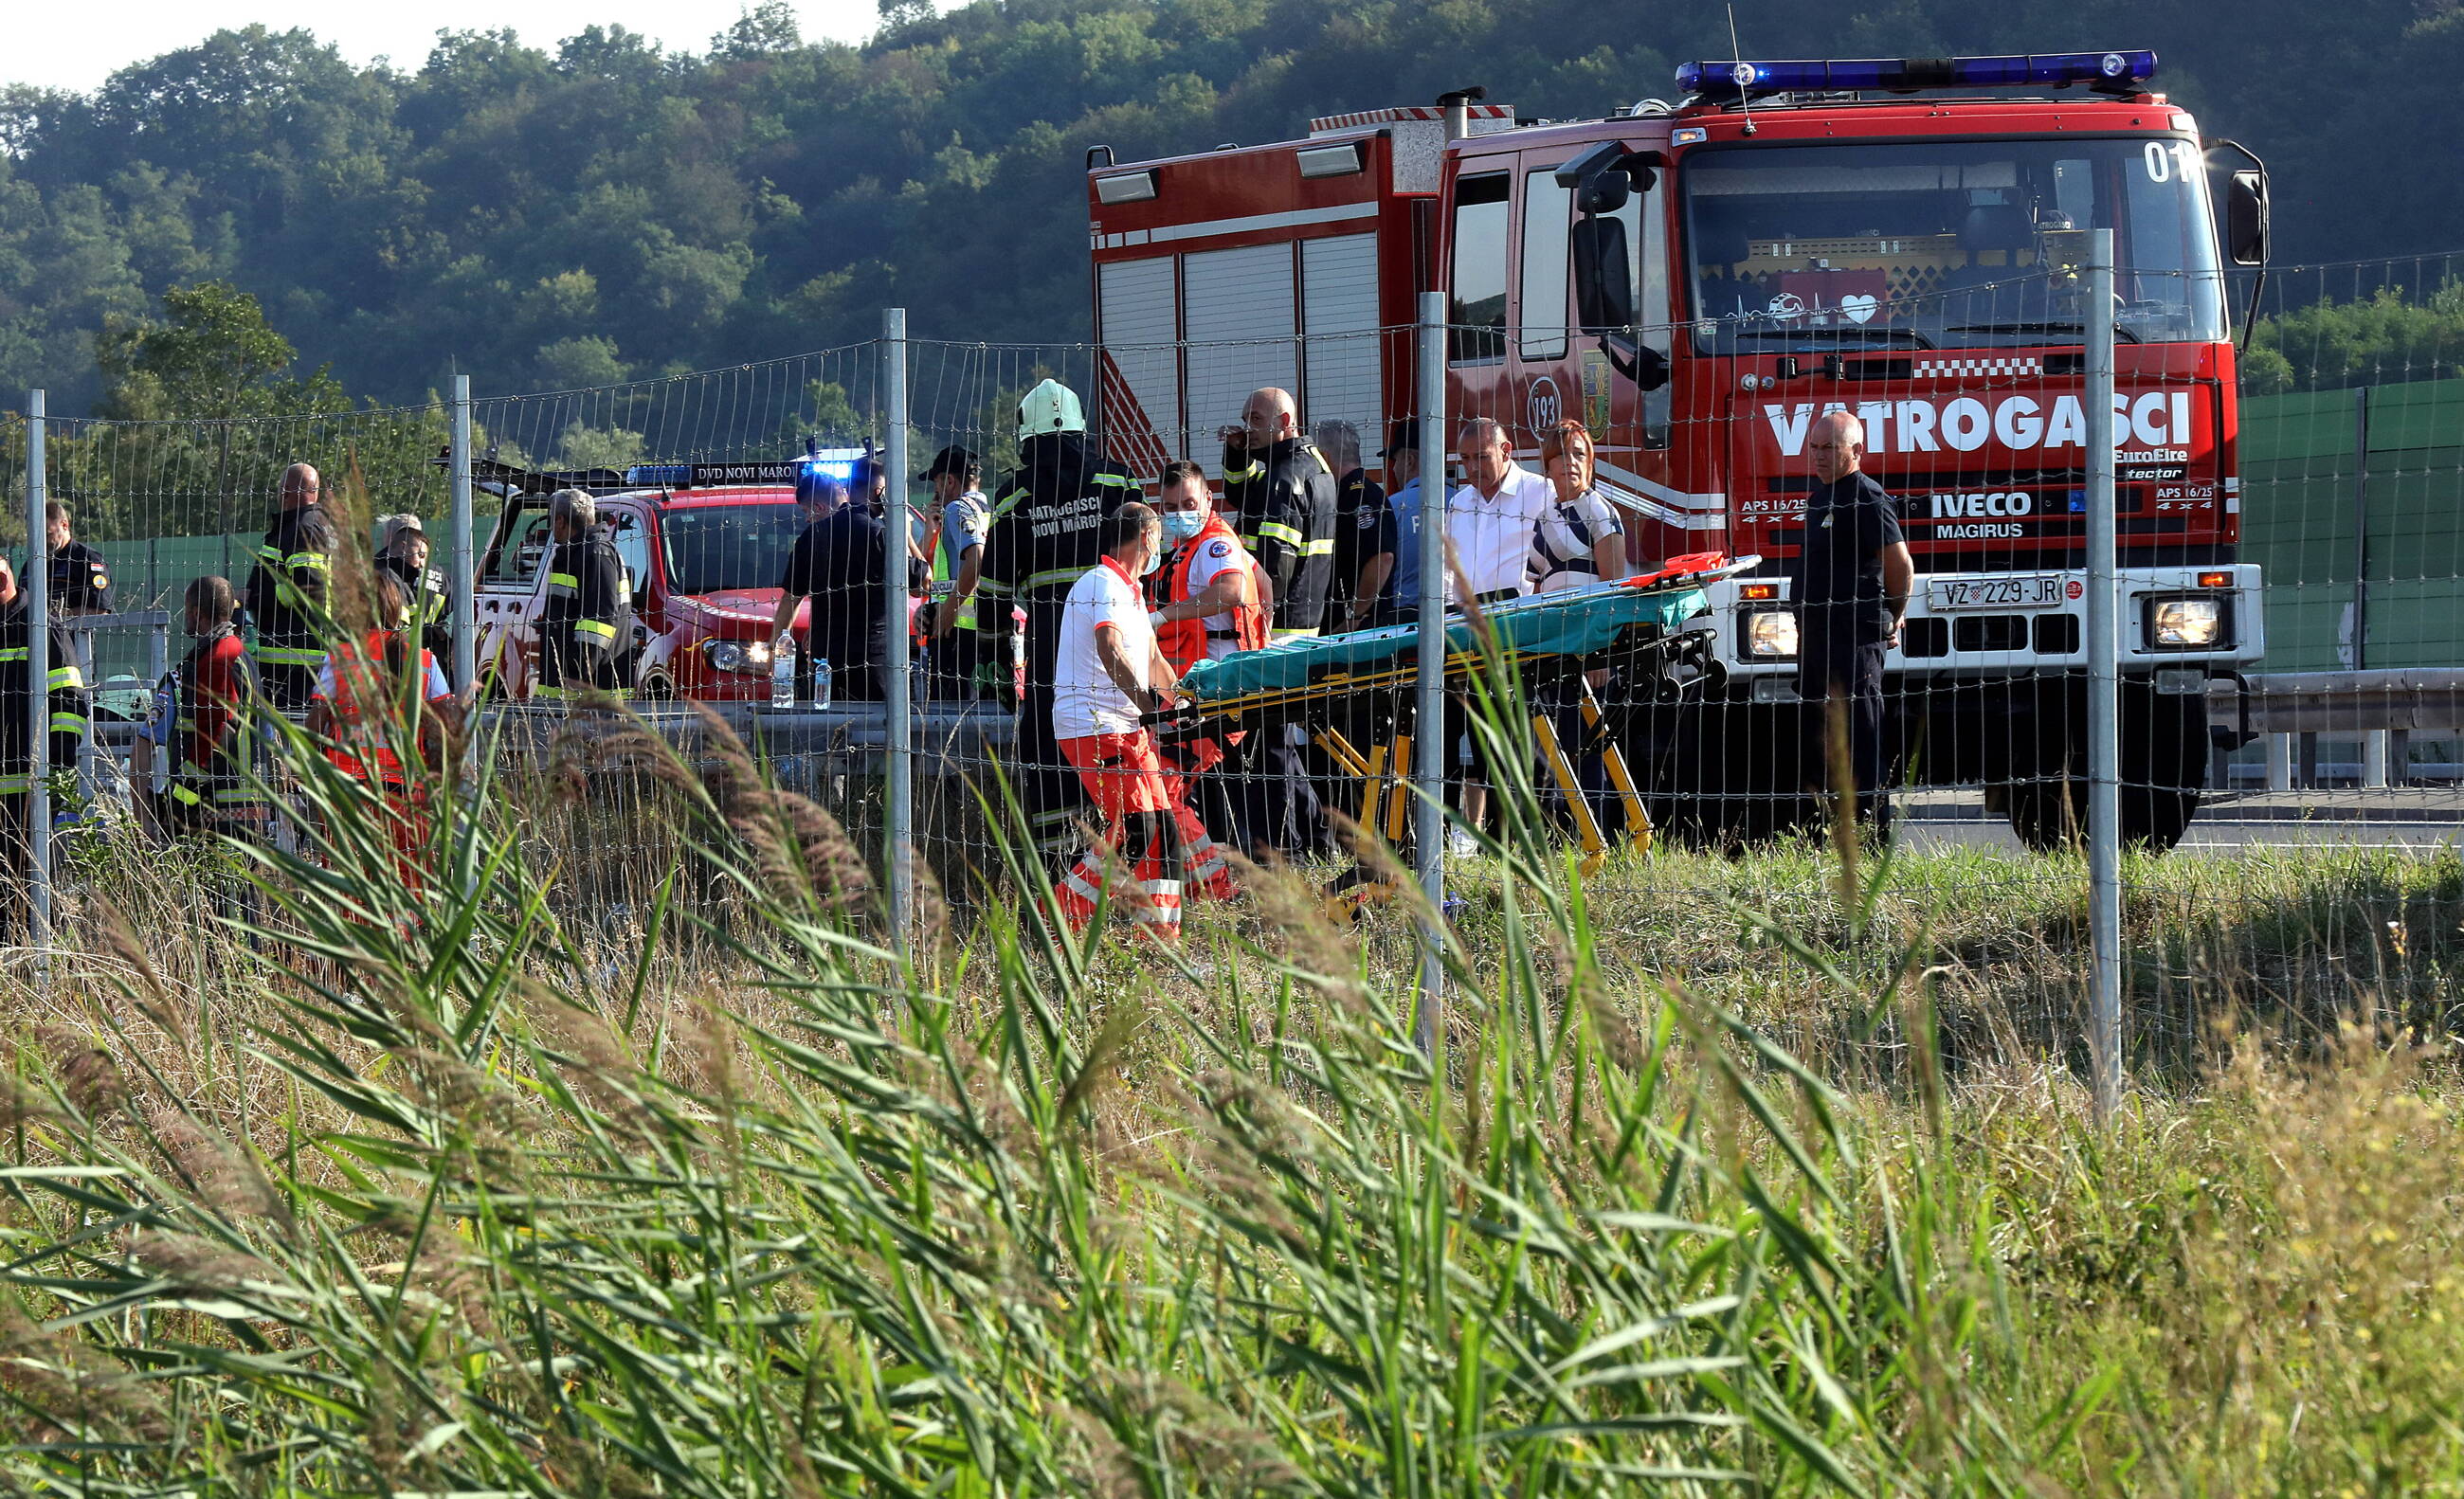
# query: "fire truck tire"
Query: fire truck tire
{"points": [[2164, 773]]}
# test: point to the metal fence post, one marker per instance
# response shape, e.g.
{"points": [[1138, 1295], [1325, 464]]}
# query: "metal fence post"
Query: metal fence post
{"points": [[465, 580], [898, 736], [1429, 762], [36, 586], [2360, 528], [2103, 692]]}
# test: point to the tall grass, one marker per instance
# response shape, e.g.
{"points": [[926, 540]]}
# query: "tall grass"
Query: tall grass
{"points": [[472, 1188]]}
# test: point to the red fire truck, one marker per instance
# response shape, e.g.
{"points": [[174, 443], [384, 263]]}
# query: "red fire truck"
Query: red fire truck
{"points": [[1696, 281]]}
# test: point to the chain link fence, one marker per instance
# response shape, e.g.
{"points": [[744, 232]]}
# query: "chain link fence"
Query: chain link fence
{"points": [[1649, 684]]}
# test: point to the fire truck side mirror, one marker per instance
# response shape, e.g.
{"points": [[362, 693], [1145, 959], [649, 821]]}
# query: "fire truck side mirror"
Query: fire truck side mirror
{"points": [[2246, 218], [1603, 278]]}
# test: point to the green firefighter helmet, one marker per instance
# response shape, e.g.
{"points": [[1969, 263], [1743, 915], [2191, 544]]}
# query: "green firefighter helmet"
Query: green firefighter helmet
{"points": [[1049, 408]]}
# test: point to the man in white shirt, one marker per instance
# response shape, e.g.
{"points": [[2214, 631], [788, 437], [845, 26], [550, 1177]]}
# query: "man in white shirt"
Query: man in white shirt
{"points": [[1108, 673], [1489, 520], [1489, 526]]}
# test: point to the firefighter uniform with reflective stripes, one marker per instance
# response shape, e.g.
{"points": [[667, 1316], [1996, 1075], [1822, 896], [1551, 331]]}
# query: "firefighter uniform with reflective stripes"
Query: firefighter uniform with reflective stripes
{"points": [[286, 598], [431, 604], [212, 690], [588, 618], [1046, 531], [1284, 502], [65, 688]]}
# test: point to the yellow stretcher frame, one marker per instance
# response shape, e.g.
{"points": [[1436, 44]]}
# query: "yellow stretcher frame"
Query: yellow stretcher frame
{"points": [[1385, 772]]}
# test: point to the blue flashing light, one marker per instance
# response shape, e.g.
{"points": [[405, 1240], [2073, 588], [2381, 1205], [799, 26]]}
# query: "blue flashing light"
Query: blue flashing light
{"points": [[659, 475], [838, 463], [2106, 71]]}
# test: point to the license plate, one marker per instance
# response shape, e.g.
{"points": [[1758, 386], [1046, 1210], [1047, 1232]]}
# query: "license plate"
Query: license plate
{"points": [[2038, 591]]}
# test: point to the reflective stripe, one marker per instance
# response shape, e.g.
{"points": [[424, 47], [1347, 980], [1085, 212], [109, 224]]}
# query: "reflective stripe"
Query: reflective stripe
{"points": [[290, 655], [1295, 634], [1324, 546], [271, 554], [13, 652], [66, 676], [1007, 502], [185, 797], [68, 723], [1116, 480], [1277, 531], [591, 626], [1255, 469], [551, 693], [16, 784], [1076, 885], [314, 559], [1053, 575]]}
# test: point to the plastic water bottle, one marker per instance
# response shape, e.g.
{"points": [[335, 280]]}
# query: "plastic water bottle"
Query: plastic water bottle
{"points": [[820, 683], [782, 677]]}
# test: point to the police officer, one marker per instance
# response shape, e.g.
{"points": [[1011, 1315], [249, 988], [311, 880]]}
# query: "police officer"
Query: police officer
{"points": [[68, 709], [589, 615], [965, 666], [1046, 531], [81, 579], [1853, 579], [286, 592], [1283, 491], [1364, 532], [839, 561], [432, 599]]}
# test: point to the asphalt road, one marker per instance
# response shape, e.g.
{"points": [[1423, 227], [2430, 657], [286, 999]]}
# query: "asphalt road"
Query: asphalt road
{"points": [[2412, 818]]}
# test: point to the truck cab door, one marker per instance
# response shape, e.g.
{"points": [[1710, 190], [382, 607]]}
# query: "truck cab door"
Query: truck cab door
{"points": [[509, 578]]}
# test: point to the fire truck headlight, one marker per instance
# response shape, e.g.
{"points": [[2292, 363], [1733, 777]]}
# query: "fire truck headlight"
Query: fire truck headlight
{"points": [[1770, 634], [737, 655], [2185, 623]]}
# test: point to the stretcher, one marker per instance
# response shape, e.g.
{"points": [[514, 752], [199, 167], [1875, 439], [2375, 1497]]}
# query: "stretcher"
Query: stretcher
{"points": [[1358, 688]]}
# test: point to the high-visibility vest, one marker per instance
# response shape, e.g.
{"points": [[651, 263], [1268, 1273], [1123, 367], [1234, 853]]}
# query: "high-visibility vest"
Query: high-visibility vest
{"points": [[349, 718], [1183, 640]]}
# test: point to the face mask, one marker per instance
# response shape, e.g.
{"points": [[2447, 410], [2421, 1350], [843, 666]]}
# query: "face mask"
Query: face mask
{"points": [[1182, 524], [1155, 559]]}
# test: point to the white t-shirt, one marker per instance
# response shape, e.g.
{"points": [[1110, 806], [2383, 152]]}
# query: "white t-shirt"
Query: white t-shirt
{"points": [[1492, 535], [1216, 555], [1563, 542], [1085, 699]]}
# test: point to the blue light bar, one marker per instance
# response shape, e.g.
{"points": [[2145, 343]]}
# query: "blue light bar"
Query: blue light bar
{"points": [[660, 476], [2106, 71]]}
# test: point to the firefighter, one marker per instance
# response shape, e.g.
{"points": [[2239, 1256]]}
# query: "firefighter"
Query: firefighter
{"points": [[1046, 533], [65, 688], [588, 613], [1283, 491], [367, 715], [286, 592], [1209, 608], [210, 690], [405, 556]]}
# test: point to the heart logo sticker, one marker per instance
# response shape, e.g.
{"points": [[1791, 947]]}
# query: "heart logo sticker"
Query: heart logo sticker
{"points": [[1860, 308]]}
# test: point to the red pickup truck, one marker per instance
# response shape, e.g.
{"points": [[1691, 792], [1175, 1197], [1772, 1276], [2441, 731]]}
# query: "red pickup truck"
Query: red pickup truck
{"points": [[704, 556]]}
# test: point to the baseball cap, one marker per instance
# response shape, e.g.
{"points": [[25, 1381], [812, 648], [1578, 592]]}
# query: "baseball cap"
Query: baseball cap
{"points": [[953, 459]]}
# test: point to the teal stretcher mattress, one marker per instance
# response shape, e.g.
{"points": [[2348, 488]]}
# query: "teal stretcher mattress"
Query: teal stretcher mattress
{"points": [[1570, 622]]}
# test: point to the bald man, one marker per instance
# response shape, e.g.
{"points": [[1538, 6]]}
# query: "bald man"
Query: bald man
{"points": [[286, 594], [1279, 492], [1853, 579]]}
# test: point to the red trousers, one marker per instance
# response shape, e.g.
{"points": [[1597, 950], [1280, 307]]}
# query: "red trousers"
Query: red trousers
{"points": [[1142, 804]]}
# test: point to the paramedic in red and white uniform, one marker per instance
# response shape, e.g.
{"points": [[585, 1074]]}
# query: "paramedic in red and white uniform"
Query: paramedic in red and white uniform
{"points": [[1108, 673], [1213, 605]]}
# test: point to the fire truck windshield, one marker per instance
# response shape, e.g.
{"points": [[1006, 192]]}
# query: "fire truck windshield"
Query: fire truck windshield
{"points": [[712, 548], [1945, 244]]}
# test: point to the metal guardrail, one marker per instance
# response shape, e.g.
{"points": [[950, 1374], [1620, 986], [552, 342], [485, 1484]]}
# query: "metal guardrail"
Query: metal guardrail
{"points": [[2342, 703]]}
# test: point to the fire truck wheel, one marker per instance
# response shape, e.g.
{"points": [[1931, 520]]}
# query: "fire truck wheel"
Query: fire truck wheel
{"points": [[2163, 770]]}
